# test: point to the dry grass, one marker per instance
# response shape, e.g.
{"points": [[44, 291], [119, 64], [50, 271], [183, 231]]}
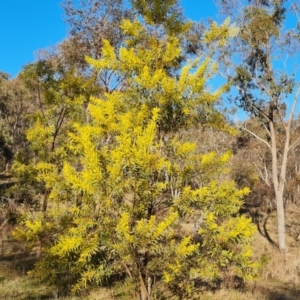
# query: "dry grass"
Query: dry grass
{"points": [[279, 278], [17, 286], [14, 284]]}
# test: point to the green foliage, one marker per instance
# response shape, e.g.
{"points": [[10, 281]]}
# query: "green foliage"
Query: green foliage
{"points": [[60, 97], [162, 13], [261, 85], [14, 109]]}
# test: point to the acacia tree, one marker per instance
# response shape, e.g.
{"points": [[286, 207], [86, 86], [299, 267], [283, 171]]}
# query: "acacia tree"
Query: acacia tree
{"points": [[263, 83], [58, 95], [129, 184], [60, 83]]}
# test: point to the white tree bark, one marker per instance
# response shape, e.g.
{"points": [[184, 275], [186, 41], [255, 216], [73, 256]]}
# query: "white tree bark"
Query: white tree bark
{"points": [[279, 168]]}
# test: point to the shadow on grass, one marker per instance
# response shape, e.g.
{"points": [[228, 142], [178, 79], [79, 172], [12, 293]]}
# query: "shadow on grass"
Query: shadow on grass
{"points": [[260, 219], [14, 255], [281, 292], [284, 295], [265, 232], [41, 296]]}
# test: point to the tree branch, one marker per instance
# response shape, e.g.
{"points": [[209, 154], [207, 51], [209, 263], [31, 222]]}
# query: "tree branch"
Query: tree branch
{"points": [[294, 144], [266, 129], [256, 136], [294, 105], [253, 104]]}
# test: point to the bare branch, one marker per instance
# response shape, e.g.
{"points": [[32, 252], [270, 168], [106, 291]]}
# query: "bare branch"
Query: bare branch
{"points": [[256, 136], [296, 127], [266, 129], [286, 127], [294, 106], [3, 224], [294, 144]]}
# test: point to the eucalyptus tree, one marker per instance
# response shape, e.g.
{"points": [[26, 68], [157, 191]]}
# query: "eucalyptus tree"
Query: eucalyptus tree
{"points": [[258, 64]]}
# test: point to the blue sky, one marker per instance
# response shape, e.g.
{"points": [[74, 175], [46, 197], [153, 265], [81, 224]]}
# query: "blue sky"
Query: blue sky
{"points": [[26, 26], [29, 25]]}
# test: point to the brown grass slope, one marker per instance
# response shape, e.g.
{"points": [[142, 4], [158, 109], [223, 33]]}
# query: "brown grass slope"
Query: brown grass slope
{"points": [[279, 280]]}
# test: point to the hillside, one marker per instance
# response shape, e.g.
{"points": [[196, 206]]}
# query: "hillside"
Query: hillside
{"points": [[279, 279]]}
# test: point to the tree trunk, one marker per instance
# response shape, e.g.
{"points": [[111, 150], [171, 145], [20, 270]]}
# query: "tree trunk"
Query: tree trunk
{"points": [[281, 222], [279, 183], [144, 293], [45, 201]]}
